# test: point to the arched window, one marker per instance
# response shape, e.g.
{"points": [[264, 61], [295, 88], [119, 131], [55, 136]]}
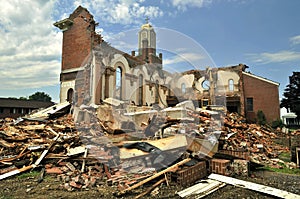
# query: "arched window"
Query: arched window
{"points": [[70, 94], [140, 92], [119, 83], [157, 91], [183, 88], [231, 85]]}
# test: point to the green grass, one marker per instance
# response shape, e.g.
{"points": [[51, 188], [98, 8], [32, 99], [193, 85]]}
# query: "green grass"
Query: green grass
{"points": [[29, 174], [284, 169], [6, 197], [285, 156]]}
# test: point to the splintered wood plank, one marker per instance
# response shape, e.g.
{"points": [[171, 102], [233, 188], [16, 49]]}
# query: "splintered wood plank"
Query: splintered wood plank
{"points": [[171, 168], [165, 144], [202, 189], [254, 186]]}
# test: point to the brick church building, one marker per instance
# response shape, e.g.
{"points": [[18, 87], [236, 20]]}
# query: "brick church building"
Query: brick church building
{"points": [[92, 71]]}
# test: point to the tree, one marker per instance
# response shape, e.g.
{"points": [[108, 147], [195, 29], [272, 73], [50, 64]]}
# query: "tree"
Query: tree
{"points": [[40, 96], [291, 100]]}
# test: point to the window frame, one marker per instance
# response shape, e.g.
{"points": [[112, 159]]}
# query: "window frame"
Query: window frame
{"points": [[231, 85], [249, 104]]}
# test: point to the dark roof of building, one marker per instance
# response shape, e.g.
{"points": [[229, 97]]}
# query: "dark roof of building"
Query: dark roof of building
{"points": [[17, 103]]}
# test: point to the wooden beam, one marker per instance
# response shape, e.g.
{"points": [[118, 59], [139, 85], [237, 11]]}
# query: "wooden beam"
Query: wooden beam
{"points": [[171, 168], [150, 188], [37, 162], [254, 186], [202, 189]]}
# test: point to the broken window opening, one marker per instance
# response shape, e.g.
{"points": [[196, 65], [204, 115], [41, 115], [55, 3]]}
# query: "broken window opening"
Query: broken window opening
{"points": [[231, 85], [119, 83], [157, 92], [140, 91]]}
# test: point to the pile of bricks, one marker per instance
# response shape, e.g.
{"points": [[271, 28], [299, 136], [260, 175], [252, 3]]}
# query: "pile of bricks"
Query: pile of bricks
{"points": [[220, 166], [188, 175], [237, 154]]}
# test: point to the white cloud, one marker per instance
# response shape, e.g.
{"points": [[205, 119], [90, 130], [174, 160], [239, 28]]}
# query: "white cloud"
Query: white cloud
{"points": [[295, 40], [30, 49], [183, 57], [278, 57], [184, 4], [120, 11]]}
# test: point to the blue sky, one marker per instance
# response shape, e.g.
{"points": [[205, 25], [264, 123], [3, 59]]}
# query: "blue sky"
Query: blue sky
{"points": [[265, 35]]}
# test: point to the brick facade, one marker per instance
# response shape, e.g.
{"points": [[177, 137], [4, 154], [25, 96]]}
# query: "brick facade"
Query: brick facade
{"points": [[78, 39], [265, 97]]}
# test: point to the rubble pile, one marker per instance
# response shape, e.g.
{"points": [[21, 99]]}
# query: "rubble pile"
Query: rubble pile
{"points": [[24, 143], [237, 135], [91, 154], [241, 136], [295, 132]]}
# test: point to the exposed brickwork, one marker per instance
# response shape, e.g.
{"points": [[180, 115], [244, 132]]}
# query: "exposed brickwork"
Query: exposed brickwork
{"points": [[79, 39], [238, 154], [76, 43], [187, 176], [265, 97], [220, 166]]}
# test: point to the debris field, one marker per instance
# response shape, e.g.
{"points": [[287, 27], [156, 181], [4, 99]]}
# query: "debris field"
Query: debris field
{"points": [[166, 149]]}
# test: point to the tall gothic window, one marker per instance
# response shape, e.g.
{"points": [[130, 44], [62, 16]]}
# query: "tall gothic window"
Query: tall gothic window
{"points": [[231, 85], [119, 83], [157, 92], [140, 92]]}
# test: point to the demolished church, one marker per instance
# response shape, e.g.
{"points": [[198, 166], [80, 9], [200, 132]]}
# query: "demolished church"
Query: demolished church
{"points": [[93, 71]]}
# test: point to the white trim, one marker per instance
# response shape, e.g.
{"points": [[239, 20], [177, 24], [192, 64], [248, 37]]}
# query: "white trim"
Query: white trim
{"points": [[253, 186], [261, 78]]}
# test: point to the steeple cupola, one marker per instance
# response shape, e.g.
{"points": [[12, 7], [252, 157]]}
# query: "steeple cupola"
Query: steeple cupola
{"points": [[147, 43]]}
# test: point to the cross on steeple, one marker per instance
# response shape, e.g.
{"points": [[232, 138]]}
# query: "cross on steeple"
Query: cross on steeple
{"points": [[147, 20]]}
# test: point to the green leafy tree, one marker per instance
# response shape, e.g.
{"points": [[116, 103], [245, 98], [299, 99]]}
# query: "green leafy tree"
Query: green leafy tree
{"points": [[291, 99], [40, 96]]}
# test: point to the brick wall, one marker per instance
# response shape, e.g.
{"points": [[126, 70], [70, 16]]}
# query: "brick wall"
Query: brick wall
{"points": [[79, 39], [77, 42], [265, 97], [220, 166], [238, 154], [187, 176]]}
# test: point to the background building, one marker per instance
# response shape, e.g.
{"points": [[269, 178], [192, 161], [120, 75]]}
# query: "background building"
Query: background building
{"points": [[13, 108]]}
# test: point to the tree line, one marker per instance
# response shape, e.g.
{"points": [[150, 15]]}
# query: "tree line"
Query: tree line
{"points": [[37, 96]]}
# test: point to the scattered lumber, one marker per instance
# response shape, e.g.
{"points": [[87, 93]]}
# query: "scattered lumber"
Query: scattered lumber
{"points": [[172, 168], [202, 189], [150, 188]]}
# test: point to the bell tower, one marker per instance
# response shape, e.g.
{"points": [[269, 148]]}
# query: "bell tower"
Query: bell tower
{"points": [[147, 44]]}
